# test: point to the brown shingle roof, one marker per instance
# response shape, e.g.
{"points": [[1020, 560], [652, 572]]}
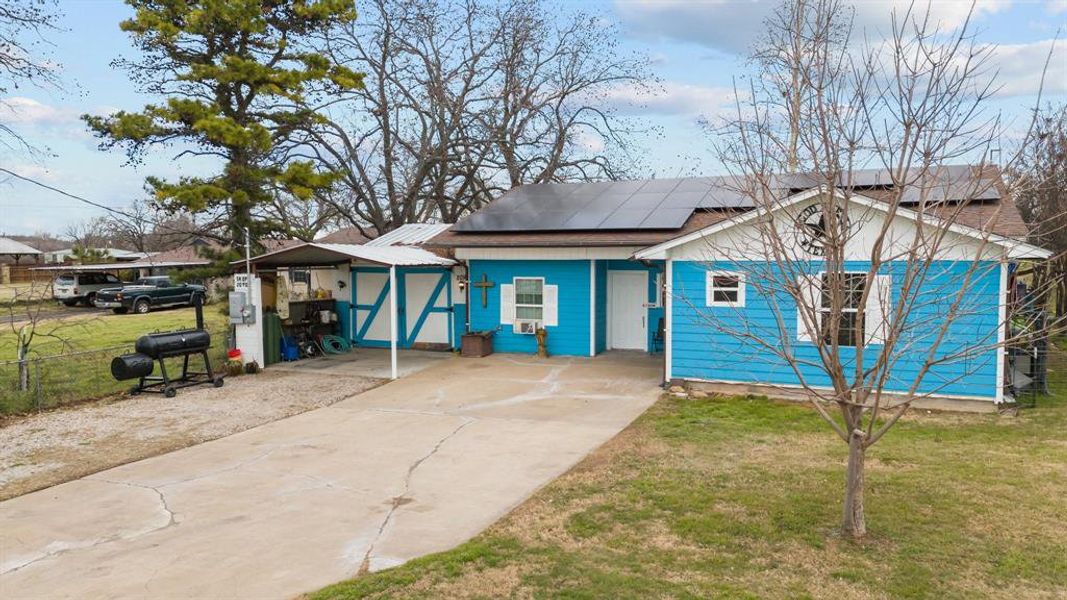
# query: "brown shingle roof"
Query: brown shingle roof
{"points": [[345, 235]]}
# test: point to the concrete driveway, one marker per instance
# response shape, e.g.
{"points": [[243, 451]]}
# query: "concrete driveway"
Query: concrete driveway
{"points": [[416, 466]]}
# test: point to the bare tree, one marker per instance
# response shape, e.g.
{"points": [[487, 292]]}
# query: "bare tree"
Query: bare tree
{"points": [[23, 27], [89, 233], [876, 287], [1039, 182], [466, 98], [803, 40], [28, 321], [145, 227], [303, 219]]}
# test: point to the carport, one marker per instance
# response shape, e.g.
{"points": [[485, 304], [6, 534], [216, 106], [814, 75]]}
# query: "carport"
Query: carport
{"points": [[414, 283]]}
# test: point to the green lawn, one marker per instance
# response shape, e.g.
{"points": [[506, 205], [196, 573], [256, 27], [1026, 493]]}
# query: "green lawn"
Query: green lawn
{"points": [[90, 331], [79, 367], [739, 498]]}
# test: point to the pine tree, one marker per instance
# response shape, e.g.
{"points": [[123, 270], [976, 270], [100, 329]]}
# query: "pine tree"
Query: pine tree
{"points": [[238, 77]]}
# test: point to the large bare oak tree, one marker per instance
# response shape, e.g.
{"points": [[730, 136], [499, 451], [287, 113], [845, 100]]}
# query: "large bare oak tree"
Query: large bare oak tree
{"points": [[464, 99]]}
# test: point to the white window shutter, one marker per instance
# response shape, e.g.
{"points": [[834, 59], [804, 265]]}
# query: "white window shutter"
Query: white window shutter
{"points": [[811, 294], [507, 304], [877, 311], [551, 305]]}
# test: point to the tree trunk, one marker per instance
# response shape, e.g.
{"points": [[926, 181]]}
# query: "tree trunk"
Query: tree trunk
{"points": [[24, 369], [853, 524]]}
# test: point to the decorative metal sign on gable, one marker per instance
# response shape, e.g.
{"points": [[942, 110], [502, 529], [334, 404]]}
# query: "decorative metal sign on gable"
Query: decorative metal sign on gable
{"points": [[812, 228]]}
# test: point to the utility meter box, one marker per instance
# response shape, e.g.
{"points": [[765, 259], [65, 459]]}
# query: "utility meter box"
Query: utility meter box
{"points": [[241, 312]]}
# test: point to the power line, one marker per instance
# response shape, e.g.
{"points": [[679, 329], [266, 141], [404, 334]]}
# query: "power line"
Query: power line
{"points": [[74, 196], [110, 209]]}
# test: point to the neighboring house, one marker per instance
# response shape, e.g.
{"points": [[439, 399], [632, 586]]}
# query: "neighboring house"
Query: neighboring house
{"points": [[156, 263], [112, 255], [16, 250], [345, 235], [638, 265]]}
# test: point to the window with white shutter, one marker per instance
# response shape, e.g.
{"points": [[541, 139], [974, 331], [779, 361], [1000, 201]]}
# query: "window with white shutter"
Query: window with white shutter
{"points": [[878, 308], [810, 289], [551, 305], [507, 304]]}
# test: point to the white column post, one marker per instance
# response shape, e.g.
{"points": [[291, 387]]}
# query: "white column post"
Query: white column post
{"points": [[392, 318], [668, 328], [592, 308], [1002, 324]]}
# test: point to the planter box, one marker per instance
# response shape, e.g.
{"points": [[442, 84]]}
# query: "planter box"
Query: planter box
{"points": [[476, 344]]}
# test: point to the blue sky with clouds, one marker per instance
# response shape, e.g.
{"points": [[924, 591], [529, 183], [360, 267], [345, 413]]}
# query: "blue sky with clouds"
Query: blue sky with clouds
{"points": [[697, 48]]}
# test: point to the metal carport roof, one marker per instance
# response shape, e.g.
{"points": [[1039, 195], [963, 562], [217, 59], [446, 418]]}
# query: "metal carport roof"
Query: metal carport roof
{"points": [[316, 253]]}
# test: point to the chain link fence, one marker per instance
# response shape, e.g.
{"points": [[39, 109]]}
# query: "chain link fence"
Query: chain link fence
{"points": [[49, 381]]}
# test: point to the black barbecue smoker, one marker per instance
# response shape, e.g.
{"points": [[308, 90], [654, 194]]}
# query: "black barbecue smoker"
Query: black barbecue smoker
{"points": [[156, 347]]}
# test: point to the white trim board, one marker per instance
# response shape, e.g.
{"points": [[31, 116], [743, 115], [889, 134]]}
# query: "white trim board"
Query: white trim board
{"points": [[547, 253], [668, 325], [1002, 318], [592, 308]]}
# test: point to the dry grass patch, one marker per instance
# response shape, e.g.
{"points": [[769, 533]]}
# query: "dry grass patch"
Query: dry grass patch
{"points": [[740, 498]]}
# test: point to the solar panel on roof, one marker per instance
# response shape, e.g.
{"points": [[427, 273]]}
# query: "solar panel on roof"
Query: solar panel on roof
{"points": [[624, 219], [667, 203], [667, 218], [688, 200], [726, 198], [644, 201], [660, 185]]}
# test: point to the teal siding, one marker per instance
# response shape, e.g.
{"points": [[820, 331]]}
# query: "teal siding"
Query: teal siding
{"points": [[601, 305], [344, 319], [570, 337], [459, 322], [700, 350]]}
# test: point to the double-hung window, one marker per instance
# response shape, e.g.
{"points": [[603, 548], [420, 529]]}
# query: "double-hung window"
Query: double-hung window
{"points": [[849, 323], [529, 298], [725, 288]]}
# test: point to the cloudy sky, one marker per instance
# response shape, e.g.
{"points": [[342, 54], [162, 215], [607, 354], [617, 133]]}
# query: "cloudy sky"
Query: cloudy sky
{"points": [[697, 47]]}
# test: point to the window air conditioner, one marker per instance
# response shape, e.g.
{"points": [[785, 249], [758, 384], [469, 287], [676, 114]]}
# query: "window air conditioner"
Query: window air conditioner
{"points": [[526, 326]]}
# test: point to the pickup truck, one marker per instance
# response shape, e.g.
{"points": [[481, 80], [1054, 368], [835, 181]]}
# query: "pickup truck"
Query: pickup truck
{"points": [[148, 293]]}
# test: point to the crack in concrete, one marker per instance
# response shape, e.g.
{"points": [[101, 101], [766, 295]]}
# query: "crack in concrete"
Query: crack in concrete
{"points": [[402, 499], [72, 546]]}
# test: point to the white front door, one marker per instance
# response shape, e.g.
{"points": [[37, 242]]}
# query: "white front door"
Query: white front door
{"points": [[627, 291]]}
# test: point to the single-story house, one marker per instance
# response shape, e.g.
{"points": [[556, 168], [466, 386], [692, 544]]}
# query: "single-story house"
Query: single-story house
{"points": [[644, 266], [117, 255], [661, 265]]}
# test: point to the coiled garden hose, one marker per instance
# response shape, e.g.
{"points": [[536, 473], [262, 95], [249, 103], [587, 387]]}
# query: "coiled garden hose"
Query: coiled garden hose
{"points": [[335, 344]]}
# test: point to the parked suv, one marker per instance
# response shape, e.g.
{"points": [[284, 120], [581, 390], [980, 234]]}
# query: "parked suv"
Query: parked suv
{"points": [[72, 288], [147, 293]]}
